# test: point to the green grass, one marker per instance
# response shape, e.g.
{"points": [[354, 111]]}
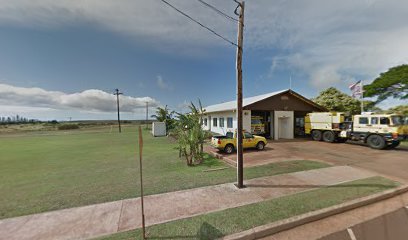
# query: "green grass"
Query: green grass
{"points": [[55, 170], [404, 143], [218, 224]]}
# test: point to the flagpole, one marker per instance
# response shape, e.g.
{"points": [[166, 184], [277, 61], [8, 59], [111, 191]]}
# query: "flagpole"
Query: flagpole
{"points": [[362, 96]]}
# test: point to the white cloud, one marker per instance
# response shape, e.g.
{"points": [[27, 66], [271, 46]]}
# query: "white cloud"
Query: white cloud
{"points": [[92, 100], [162, 84], [329, 41]]}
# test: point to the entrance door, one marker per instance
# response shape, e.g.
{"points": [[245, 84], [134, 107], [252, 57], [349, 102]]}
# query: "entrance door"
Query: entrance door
{"points": [[284, 129]]}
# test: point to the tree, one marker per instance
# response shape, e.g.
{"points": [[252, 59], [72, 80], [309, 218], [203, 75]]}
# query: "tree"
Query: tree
{"points": [[190, 135], [370, 106], [401, 109], [393, 83], [165, 115], [336, 101]]}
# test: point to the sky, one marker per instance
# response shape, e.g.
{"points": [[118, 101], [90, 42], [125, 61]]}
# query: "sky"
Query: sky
{"points": [[64, 59]]}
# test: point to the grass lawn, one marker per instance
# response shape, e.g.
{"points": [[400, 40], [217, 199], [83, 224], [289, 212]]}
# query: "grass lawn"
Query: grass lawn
{"points": [[404, 143], [218, 224], [49, 171]]}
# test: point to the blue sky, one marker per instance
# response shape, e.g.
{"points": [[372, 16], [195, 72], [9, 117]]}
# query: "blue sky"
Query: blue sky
{"points": [[61, 59]]}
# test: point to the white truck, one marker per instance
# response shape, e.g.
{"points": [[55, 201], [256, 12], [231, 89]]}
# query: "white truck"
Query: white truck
{"points": [[379, 131]]}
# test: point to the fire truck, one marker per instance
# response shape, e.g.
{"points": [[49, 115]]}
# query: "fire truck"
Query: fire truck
{"points": [[257, 125], [379, 131]]}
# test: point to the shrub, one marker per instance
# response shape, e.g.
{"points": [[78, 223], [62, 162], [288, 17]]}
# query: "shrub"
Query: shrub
{"points": [[68, 127]]}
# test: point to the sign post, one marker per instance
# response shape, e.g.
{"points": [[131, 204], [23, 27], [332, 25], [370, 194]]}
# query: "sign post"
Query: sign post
{"points": [[141, 179]]}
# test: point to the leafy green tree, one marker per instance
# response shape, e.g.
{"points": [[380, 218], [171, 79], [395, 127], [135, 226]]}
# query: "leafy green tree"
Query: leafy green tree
{"points": [[393, 83], [166, 116], [190, 134], [336, 101], [370, 106], [401, 109]]}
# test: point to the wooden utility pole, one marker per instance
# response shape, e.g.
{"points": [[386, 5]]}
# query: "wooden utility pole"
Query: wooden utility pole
{"points": [[117, 93], [240, 156], [147, 114], [141, 180]]}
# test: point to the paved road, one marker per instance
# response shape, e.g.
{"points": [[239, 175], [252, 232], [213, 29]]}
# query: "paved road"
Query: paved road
{"points": [[385, 220], [390, 163]]}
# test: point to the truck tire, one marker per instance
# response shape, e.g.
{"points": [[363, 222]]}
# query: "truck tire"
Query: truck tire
{"points": [[260, 146], [393, 144], [328, 136], [229, 149], [376, 142], [316, 135]]}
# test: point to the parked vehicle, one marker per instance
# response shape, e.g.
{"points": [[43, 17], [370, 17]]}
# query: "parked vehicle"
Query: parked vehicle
{"points": [[379, 131], [257, 126], [228, 142]]}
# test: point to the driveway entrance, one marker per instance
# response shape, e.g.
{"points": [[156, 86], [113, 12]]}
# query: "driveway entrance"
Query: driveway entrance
{"points": [[390, 163]]}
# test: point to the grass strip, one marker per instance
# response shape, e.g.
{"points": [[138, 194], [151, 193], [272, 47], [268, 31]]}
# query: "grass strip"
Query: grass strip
{"points": [[40, 172], [218, 224]]}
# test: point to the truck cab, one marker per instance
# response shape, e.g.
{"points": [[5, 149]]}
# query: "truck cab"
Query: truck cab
{"points": [[228, 143], [257, 125], [378, 131]]}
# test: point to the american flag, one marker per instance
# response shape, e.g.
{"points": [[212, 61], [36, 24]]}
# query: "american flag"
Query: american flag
{"points": [[357, 89]]}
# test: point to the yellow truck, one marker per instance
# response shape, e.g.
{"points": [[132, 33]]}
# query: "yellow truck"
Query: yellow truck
{"points": [[228, 142], [379, 131], [257, 126]]}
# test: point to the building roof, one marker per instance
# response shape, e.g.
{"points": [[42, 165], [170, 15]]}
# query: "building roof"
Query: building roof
{"points": [[231, 105]]}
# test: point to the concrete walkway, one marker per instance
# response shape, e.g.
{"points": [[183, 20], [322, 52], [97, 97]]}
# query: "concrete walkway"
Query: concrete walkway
{"points": [[112, 217]]}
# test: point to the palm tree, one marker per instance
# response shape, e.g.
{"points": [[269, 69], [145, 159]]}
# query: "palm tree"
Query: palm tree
{"points": [[190, 134], [164, 115], [201, 134]]}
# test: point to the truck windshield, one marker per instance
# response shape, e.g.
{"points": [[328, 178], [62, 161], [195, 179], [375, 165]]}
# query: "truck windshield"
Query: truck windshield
{"points": [[256, 121], [397, 120]]}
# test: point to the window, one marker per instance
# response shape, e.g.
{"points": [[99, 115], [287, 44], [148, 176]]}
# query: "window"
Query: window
{"points": [[229, 122], [248, 135], [384, 121], [214, 122], [363, 120], [256, 121], [374, 120], [205, 121], [230, 135], [397, 120], [221, 122]]}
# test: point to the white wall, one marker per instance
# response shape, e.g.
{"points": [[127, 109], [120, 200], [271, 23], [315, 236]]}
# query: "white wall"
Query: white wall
{"points": [[246, 117], [287, 130]]}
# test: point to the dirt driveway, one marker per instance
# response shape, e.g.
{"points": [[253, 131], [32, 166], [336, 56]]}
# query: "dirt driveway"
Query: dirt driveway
{"points": [[390, 163]]}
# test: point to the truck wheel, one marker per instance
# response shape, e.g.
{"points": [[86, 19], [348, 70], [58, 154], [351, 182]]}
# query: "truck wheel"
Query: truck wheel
{"points": [[316, 135], [394, 144], [260, 146], [328, 136], [376, 142], [229, 149]]}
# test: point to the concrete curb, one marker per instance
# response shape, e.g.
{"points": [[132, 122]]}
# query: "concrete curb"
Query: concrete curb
{"points": [[282, 225], [223, 158]]}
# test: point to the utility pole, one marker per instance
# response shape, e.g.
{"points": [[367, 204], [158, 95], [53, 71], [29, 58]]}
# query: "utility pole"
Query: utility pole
{"points": [[240, 156], [147, 114], [117, 93]]}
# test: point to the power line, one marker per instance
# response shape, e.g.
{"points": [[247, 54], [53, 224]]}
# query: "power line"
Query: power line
{"points": [[202, 25], [218, 11]]}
